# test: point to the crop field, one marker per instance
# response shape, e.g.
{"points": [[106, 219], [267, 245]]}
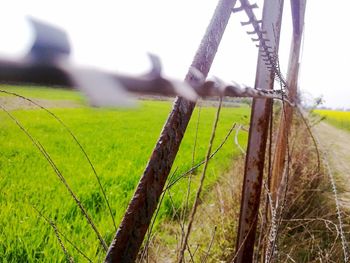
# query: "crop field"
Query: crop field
{"points": [[119, 143], [340, 119]]}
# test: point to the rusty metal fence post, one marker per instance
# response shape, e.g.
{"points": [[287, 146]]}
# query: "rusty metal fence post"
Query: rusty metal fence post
{"points": [[298, 13], [131, 232], [254, 165]]}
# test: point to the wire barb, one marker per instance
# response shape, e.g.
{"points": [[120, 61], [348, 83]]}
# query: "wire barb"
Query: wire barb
{"points": [[243, 7], [265, 50]]}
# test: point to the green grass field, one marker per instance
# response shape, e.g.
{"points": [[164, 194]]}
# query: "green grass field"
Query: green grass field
{"points": [[119, 143], [340, 119]]}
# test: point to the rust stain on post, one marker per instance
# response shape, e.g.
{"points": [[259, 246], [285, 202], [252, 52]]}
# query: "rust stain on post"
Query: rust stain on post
{"points": [[131, 232], [298, 14], [254, 166]]}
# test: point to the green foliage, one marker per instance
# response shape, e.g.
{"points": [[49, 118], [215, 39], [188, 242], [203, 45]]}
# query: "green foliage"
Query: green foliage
{"points": [[119, 143]]}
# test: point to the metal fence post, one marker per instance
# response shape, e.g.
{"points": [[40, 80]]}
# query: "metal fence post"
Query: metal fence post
{"points": [[131, 232], [254, 165], [298, 14]]}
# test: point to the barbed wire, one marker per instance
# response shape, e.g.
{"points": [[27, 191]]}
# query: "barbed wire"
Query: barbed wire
{"points": [[101, 87], [268, 54], [47, 63]]}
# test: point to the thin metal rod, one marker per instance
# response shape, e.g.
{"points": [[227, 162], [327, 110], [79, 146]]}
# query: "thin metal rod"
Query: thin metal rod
{"points": [[131, 232], [298, 13], [255, 158]]}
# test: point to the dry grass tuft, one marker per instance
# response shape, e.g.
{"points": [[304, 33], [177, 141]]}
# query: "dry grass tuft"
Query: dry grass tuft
{"points": [[309, 228], [214, 228]]}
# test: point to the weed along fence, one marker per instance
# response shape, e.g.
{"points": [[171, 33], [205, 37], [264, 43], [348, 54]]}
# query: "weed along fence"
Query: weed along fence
{"points": [[265, 166]]}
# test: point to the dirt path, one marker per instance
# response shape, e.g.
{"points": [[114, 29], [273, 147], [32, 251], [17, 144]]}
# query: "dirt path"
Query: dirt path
{"points": [[336, 144]]}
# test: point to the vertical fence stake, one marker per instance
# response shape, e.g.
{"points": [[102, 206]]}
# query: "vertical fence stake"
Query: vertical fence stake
{"points": [[131, 232], [255, 158], [298, 13]]}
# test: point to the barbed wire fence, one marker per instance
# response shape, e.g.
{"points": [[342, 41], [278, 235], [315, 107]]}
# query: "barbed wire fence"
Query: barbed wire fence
{"points": [[53, 68]]}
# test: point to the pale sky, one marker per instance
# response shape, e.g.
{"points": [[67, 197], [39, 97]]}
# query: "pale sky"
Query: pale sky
{"points": [[117, 35]]}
